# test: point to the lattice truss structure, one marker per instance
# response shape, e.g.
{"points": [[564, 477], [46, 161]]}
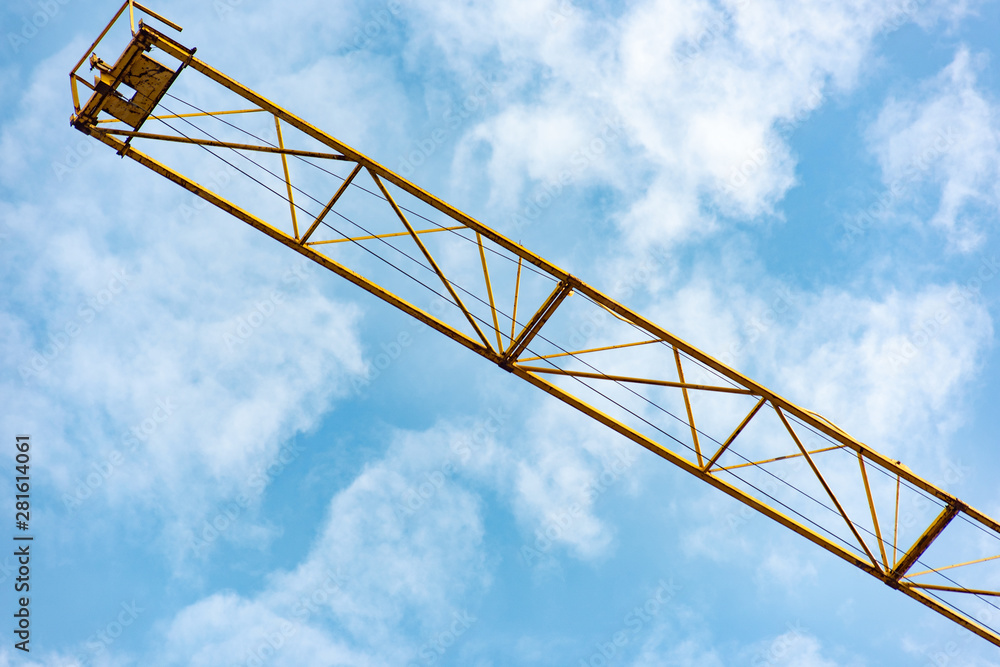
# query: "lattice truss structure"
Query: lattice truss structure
{"points": [[344, 211]]}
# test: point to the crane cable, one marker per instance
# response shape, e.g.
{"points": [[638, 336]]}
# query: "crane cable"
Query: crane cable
{"points": [[848, 544], [355, 184]]}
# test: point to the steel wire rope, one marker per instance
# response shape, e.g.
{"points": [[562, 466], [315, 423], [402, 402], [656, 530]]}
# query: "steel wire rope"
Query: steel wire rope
{"points": [[805, 425], [545, 274], [359, 226], [297, 189], [840, 446], [529, 267], [829, 532], [484, 322], [692, 449], [368, 250], [881, 470], [285, 198], [733, 474], [575, 356], [681, 420]]}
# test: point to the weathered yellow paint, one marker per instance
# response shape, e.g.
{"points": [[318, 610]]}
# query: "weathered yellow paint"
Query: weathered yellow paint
{"points": [[135, 64]]}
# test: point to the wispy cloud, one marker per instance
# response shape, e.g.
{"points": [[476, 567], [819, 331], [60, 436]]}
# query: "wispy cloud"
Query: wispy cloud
{"points": [[160, 405], [108, 317], [940, 147], [371, 572], [690, 123]]}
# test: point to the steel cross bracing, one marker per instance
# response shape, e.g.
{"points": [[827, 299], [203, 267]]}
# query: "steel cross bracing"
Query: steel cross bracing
{"points": [[544, 325]]}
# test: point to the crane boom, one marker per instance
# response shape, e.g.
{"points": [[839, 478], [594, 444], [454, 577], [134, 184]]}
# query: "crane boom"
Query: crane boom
{"points": [[560, 334]]}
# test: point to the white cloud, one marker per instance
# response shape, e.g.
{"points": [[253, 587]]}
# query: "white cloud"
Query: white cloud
{"points": [[793, 648], [685, 653], [945, 139], [747, 72], [890, 370], [683, 641], [227, 630], [550, 137], [787, 569], [398, 557], [403, 541], [718, 535], [163, 359], [685, 82], [570, 463]]}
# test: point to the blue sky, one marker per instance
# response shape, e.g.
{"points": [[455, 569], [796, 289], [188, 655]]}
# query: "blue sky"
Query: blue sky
{"points": [[796, 188]]}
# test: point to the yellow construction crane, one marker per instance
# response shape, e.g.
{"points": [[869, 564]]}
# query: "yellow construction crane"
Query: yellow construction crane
{"points": [[534, 319]]}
